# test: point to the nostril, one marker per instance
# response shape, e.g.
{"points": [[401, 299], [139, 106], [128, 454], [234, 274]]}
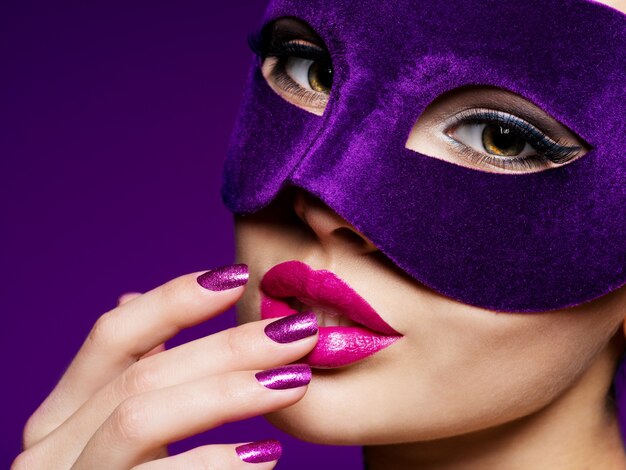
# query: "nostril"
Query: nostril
{"points": [[351, 236]]}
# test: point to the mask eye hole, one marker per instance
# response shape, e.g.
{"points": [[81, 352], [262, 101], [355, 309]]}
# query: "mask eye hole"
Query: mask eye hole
{"points": [[494, 130], [295, 63]]}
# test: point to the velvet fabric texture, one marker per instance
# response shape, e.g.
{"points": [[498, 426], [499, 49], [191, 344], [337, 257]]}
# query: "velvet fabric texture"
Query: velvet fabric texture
{"points": [[501, 241]]}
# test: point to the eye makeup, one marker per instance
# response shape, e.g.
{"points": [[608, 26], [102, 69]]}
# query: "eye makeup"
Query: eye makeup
{"points": [[548, 150], [281, 52], [530, 241], [272, 39], [293, 67]]}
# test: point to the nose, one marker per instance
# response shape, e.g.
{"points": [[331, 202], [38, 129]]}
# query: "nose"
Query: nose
{"points": [[332, 230]]}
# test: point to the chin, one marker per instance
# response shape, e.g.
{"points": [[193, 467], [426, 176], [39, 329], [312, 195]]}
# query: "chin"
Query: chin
{"points": [[331, 414], [307, 424]]}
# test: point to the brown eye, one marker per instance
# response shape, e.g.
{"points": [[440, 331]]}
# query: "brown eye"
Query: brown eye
{"points": [[507, 141], [310, 74], [495, 130], [499, 140], [320, 77], [295, 62], [492, 138]]}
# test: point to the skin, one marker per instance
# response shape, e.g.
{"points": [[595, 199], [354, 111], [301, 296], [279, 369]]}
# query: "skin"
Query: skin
{"points": [[124, 396], [488, 387], [466, 388], [484, 390]]}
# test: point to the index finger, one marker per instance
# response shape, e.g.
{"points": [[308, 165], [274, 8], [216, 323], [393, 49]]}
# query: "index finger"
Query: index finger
{"points": [[124, 334]]}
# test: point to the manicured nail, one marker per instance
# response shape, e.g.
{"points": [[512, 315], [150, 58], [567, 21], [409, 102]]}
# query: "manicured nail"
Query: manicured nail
{"points": [[281, 378], [224, 277], [292, 328], [260, 451]]}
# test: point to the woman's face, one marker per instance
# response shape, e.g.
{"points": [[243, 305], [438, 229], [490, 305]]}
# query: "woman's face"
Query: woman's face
{"points": [[457, 368]]}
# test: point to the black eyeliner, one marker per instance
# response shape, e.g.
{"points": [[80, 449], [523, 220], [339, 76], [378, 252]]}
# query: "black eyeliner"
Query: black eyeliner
{"points": [[550, 149], [281, 49], [276, 40]]}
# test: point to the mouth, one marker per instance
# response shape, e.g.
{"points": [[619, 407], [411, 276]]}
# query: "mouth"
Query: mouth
{"points": [[349, 328]]}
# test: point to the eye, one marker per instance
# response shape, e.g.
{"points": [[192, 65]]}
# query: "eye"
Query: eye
{"points": [[485, 130], [296, 68], [309, 74], [506, 141]]}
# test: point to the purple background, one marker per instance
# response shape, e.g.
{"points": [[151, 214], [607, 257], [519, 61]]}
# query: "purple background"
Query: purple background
{"points": [[114, 120]]}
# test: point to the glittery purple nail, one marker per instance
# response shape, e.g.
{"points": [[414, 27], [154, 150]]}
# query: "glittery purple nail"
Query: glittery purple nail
{"points": [[224, 277], [291, 376], [260, 451], [292, 328]]}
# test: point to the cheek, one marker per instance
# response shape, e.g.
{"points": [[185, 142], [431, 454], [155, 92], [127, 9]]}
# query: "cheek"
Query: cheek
{"points": [[456, 371], [486, 368]]}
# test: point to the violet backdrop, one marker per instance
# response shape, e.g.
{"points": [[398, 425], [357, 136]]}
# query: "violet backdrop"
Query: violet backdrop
{"points": [[114, 120]]}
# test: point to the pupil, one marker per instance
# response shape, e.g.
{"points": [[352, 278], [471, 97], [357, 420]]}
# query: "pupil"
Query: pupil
{"points": [[499, 140], [321, 76]]}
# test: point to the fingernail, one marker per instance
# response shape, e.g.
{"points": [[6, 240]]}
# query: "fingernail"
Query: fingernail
{"points": [[260, 451], [224, 277], [281, 378], [292, 328]]}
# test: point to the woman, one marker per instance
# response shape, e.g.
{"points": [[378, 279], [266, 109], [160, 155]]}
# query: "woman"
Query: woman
{"points": [[429, 188]]}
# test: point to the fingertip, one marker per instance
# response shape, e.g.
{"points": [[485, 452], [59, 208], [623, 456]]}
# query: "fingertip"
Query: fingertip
{"points": [[269, 450], [224, 277]]}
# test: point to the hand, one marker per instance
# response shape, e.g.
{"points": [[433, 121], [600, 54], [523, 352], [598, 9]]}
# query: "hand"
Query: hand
{"points": [[124, 397]]}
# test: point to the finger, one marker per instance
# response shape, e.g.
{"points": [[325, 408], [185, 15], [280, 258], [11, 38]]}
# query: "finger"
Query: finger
{"points": [[121, 336], [261, 455], [127, 297], [244, 347], [160, 348], [150, 420], [224, 351]]}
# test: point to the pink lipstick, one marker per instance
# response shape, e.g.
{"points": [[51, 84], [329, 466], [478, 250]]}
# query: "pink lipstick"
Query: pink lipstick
{"points": [[349, 328]]}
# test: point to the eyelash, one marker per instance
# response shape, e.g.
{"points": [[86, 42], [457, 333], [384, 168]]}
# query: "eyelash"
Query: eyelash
{"points": [[263, 47], [547, 148], [283, 50]]}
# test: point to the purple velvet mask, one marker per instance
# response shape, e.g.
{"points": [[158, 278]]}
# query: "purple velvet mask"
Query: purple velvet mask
{"points": [[521, 242]]}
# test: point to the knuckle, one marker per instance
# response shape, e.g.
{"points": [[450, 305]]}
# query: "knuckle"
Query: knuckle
{"points": [[175, 292], [39, 424], [25, 461], [139, 377], [129, 422], [103, 331], [31, 434], [204, 458], [238, 343], [231, 392]]}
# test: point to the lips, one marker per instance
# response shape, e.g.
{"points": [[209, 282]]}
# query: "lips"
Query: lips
{"points": [[356, 331]]}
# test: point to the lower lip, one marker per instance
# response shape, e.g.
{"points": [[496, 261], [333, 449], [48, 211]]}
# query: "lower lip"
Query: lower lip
{"points": [[337, 346], [340, 346]]}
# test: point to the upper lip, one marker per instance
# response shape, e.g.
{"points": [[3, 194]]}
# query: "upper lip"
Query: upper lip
{"points": [[322, 288]]}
